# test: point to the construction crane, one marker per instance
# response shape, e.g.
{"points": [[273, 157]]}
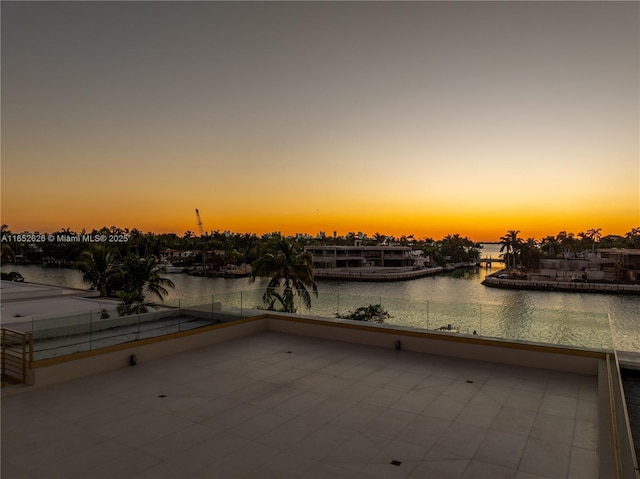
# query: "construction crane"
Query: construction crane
{"points": [[200, 227], [201, 233]]}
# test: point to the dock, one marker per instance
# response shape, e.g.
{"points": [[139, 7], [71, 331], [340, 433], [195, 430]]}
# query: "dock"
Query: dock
{"points": [[488, 261]]}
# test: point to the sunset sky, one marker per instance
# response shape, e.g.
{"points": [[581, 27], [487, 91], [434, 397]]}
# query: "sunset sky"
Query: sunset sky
{"points": [[424, 118]]}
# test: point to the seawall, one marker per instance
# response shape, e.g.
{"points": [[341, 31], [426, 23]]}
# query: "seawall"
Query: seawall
{"points": [[562, 286], [379, 274]]}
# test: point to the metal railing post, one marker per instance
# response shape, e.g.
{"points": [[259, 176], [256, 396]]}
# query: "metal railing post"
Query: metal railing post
{"points": [[427, 314], [611, 332], [90, 331], [24, 358], [4, 353]]}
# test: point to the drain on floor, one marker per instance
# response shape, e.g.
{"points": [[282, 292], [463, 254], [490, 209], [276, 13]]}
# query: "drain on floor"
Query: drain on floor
{"points": [[162, 396], [470, 382], [396, 463]]}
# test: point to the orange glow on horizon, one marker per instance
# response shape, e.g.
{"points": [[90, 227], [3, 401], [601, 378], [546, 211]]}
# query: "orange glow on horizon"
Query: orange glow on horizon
{"points": [[435, 225], [479, 212]]}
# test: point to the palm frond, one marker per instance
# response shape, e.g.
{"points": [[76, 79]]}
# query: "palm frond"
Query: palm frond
{"points": [[290, 273]]}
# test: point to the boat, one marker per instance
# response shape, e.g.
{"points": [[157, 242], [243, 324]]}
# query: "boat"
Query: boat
{"points": [[232, 271], [448, 329], [173, 269]]}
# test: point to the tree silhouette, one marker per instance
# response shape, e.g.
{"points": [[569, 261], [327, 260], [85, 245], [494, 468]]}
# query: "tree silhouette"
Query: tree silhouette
{"points": [[290, 272]]}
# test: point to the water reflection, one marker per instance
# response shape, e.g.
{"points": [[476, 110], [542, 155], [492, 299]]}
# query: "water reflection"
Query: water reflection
{"points": [[515, 316]]}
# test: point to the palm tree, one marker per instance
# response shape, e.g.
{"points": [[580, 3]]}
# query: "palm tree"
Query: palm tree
{"points": [[548, 245], [7, 253], [595, 236], [633, 238], [583, 241], [291, 273], [567, 241], [133, 303], [530, 253], [151, 245], [511, 244], [98, 268], [142, 276]]}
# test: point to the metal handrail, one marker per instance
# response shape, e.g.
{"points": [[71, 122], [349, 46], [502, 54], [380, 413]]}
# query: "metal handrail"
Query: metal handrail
{"points": [[625, 460], [16, 355]]}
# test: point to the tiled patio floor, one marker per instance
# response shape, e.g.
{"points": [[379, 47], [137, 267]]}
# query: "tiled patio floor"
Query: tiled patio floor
{"points": [[278, 406]]}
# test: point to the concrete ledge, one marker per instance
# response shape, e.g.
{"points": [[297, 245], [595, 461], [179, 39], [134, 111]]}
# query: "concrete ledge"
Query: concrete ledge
{"points": [[64, 368], [550, 357], [555, 358], [13, 291]]}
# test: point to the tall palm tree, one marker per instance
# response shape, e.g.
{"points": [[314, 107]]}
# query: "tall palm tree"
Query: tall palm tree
{"points": [[583, 241], [510, 243], [291, 273], [567, 241], [98, 268], [530, 253], [595, 236], [140, 277], [633, 238], [549, 245]]}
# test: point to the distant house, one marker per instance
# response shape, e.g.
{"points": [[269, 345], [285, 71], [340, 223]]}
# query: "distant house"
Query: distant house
{"points": [[626, 263], [614, 265], [357, 256], [176, 255]]}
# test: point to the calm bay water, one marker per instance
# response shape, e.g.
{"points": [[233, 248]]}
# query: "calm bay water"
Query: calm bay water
{"points": [[505, 313]]}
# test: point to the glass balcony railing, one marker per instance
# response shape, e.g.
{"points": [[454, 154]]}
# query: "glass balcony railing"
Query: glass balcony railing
{"points": [[67, 334], [509, 322]]}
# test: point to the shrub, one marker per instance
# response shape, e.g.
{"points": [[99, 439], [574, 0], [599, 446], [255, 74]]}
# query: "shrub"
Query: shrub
{"points": [[374, 313]]}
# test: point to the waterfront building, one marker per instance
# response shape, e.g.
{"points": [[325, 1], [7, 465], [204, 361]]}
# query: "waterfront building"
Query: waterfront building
{"points": [[612, 265], [626, 263], [176, 255], [357, 256]]}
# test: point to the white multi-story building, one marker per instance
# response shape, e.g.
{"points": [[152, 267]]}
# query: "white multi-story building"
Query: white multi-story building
{"points": [[357, 256]]}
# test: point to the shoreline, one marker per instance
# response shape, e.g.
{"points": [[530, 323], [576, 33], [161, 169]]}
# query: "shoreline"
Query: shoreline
{"points": [[375, 274], [380, 274]]}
